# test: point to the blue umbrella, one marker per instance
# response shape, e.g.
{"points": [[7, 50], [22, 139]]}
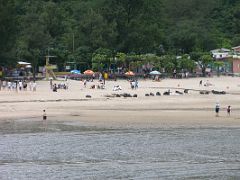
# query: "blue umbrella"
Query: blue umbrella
{"points": [[155, 73], [75, 71]]}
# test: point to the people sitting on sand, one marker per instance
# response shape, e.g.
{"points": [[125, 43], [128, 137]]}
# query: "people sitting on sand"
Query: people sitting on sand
{"points": [[101, 86], [208, 84], [54, 88], [117, 88], [132, 84], [62, 85]]}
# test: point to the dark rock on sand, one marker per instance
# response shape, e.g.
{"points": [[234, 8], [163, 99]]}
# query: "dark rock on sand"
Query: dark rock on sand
{"points": [[204, 92], [126, 95], [158, 94], [146, 94], [151, 94], [167, 93], [218, 92], [178, 92], [88, 96], [186, 91], [135, 95]]}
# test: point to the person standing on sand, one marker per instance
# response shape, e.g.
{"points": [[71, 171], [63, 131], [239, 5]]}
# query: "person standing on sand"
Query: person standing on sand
{"points": [[229, 110], [217, 109], [30, 85], [200, 83], [85, 83], [51, 83], [44, 115], [136, 84], [34, 86]]}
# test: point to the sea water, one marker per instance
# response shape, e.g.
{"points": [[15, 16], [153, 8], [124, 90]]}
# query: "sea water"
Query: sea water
{"points": [[69, 152]]}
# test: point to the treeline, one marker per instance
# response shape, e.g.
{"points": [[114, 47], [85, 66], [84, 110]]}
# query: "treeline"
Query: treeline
{"points": [[84, 31]]}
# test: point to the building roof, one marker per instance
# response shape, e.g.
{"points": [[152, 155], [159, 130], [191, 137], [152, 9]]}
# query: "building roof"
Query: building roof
{"points": [[221, 50], [237, 47]]}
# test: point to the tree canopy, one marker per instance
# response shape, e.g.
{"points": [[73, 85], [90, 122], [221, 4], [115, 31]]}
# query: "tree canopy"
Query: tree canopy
{"points": [[84, 30]]}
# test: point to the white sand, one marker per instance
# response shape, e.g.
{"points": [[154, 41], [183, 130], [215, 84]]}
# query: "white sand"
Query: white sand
{"points": [[190, 109]]}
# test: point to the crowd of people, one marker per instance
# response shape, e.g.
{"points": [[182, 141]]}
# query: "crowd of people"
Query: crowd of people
{"points": [[18, 85]]}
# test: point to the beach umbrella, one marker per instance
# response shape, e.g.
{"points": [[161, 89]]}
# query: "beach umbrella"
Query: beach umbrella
{"points": [[23, 63], [88, 72], [155, 73], [75, 71], [28, 66], [130, 73]]}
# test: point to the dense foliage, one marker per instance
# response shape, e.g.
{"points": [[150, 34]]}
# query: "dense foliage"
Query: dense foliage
{"points": [[94, 32]]}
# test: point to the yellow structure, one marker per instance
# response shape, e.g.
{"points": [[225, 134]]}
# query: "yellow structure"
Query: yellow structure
{"points": [[49, 69], [105, 75]]}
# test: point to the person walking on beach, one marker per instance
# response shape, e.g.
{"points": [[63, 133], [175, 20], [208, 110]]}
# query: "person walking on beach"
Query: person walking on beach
{"points": [[136, 84], [200, 83], [229, 110], [34, 86], [44, 115], [30, 85], [217, 109], [85, 83], [20, 85], [9, 84], [51, 83]]}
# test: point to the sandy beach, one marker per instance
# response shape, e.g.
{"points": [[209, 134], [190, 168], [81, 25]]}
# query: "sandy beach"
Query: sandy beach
{"points": [[102, 110], [105, 137]]}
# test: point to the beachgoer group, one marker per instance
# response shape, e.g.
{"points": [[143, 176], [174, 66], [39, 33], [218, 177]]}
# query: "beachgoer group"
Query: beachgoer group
{"points": [[18, 85]]}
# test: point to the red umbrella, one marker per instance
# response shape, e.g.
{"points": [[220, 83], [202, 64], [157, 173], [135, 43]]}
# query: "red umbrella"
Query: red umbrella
{"points": [[88, 72], [130, 73]]}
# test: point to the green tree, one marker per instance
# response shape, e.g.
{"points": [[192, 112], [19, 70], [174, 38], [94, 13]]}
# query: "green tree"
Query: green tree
{"points": [[101, 59], [218, 64], [203, 60], [186, 63], [33, 39], [8, 32]]}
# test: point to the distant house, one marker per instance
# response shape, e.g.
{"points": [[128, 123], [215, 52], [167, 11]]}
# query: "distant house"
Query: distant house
{"points": [[235, 64], [222, 53], [230, 59], [236, 50]]}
